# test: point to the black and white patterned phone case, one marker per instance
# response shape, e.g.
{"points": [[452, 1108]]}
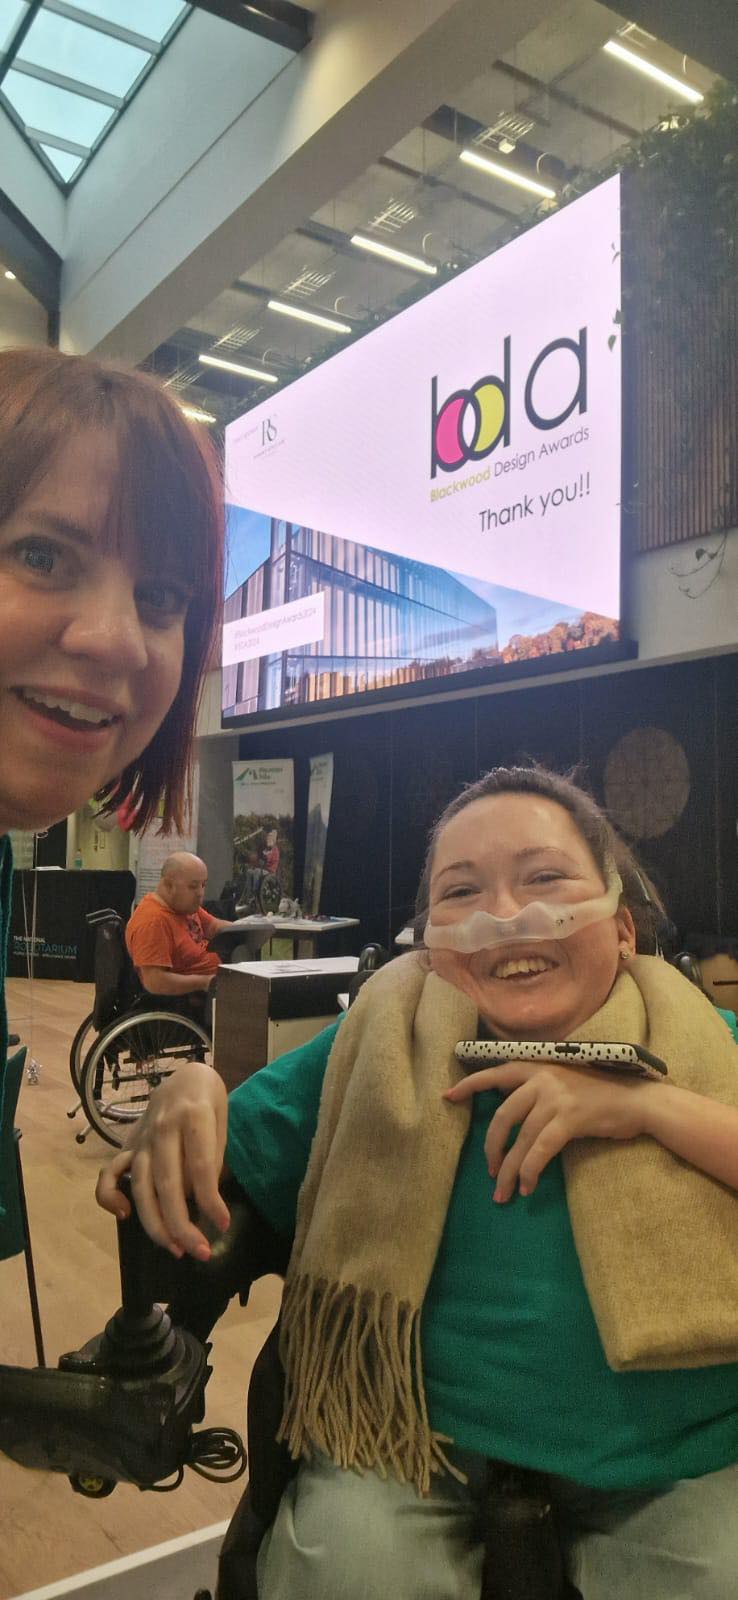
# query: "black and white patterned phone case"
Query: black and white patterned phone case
{"points": [[632, 1059]]}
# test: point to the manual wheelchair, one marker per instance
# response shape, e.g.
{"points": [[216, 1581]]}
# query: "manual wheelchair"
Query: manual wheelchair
{"points": [[131, 1040]]}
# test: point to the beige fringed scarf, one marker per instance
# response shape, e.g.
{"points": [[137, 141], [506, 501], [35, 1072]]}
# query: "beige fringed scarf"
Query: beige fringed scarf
{"points": [[657, 1240]]}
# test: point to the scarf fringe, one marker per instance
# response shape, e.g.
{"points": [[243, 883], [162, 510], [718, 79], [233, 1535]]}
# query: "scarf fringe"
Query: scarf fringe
{"points": [[354, 1382]]}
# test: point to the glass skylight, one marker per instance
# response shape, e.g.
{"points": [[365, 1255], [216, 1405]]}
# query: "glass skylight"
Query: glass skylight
{"points": [[45, 108], [67, 80], [79, 52], [66, 164], [151, 18]]}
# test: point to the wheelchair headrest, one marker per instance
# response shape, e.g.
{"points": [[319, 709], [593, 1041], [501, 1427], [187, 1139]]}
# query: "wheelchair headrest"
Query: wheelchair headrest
{"points": [[687, 963], [372, 957]]}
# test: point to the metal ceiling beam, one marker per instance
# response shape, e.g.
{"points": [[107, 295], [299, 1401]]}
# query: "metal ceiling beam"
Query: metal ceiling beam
{"points": [[321, 233], [56, 142], [334, 239], [537, 86], [18, 37], [430, 181], [141, 41], [455, 126], [317, 233], [277, 20], [71, 85], [257, 291], [185, 347]]}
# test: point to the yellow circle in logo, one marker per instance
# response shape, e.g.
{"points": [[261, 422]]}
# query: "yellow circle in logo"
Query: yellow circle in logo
{"points": [[491, 402]]}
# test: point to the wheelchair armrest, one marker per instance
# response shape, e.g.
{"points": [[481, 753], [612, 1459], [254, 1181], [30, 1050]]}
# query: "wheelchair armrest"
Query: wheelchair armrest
{"points": [[197, 1292]]}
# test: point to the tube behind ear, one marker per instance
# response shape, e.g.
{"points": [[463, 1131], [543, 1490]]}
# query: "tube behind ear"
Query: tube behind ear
{"points": [[663, 930]]}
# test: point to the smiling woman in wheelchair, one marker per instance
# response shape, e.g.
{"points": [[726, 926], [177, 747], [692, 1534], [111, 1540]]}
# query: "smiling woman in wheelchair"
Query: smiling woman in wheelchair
{"points": [[532, 1262]]}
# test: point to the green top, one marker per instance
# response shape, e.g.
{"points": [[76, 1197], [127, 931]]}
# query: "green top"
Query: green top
{"points": [[730, 1018], [512, 1359]]}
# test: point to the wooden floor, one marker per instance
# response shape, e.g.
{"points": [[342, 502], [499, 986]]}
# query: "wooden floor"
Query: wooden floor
{"points": [[48, 1532]]}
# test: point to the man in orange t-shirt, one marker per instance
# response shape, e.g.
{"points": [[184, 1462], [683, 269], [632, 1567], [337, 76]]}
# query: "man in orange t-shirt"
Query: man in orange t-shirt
{"points": [[168, 933]]}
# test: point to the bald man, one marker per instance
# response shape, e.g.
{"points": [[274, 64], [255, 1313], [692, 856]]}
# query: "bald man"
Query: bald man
{"points": [[169, 933]]}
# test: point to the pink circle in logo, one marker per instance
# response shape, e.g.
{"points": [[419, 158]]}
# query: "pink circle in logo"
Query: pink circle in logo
{"points": [[449, 444]]}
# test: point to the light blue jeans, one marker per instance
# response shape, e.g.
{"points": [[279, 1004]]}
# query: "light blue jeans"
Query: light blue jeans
{"points": [[340, 1536]]}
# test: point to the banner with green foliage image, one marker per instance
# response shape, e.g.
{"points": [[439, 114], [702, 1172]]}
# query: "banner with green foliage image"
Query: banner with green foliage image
{"points": [[263, 827]]}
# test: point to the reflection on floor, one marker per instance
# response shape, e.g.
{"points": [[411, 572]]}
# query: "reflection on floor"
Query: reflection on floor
{"points": [[172, 1571]]}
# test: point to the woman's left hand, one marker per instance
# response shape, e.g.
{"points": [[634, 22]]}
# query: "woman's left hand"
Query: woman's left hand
{"points": [[551, 1105]]}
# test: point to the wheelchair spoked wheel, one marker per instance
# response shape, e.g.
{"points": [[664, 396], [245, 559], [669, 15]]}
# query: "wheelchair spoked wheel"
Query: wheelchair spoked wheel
{"points": [[80, 1046], [131, 1058]]}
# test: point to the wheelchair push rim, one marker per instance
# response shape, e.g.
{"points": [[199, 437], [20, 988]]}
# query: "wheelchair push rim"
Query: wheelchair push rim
{"points": [[131, 1058], [79, 1047]]}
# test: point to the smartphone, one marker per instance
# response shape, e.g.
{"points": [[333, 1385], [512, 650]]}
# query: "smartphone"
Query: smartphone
{"points": [[606, 1057]]}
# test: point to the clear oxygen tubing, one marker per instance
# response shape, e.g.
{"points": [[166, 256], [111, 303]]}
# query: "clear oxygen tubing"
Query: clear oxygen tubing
{"points": [[538, 921]]}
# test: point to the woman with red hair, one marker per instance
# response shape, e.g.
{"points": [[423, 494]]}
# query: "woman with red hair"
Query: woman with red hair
{"points": [[111, 553]]}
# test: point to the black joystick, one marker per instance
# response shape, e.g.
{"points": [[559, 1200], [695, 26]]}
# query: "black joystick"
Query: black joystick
{"points": [[124, 1406]]}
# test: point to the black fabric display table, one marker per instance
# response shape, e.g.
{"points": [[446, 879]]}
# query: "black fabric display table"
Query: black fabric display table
{"points": [[65, 946]]}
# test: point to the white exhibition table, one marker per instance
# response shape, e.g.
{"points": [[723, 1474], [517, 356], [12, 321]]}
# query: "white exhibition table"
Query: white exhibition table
{"points": [[250, 933]]}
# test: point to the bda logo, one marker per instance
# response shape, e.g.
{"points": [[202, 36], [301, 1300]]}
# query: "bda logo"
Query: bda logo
{"points": [[471, 423], [268, 431]]}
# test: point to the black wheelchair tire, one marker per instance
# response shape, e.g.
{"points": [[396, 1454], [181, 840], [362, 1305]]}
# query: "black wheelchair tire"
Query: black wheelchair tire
{"points": [[94, 1065], [79, 1048]]}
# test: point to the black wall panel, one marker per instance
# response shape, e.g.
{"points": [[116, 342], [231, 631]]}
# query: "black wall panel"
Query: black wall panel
{"points": [[541, 724], [678, 699], [395, 772], [433, 756]]}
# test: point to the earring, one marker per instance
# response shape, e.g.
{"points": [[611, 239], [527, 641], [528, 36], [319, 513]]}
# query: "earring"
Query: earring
{"points": [[624, 953]]}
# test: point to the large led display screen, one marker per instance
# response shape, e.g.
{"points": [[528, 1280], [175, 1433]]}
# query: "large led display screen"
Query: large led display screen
{"points": [[441, 497]]}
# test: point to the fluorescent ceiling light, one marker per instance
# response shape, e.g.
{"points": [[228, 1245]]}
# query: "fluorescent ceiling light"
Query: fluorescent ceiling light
{"points": [[309, 316], [243, 372], [196, 414], [507, 174], [10, 275], [640, 64], [400, 257]]}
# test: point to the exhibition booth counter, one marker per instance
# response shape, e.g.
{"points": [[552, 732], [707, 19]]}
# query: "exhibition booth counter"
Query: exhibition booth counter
{"points": [[263, 1008]]}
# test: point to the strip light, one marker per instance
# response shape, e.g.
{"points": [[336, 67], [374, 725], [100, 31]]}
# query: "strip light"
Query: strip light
{"points": [[309, 316], [400, 257], [640, 64], [507, 174], [243, 372], [196, 414]]}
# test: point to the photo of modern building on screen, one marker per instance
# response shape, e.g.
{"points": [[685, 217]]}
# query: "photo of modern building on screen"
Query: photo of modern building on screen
{"points": [[389, 620]]}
